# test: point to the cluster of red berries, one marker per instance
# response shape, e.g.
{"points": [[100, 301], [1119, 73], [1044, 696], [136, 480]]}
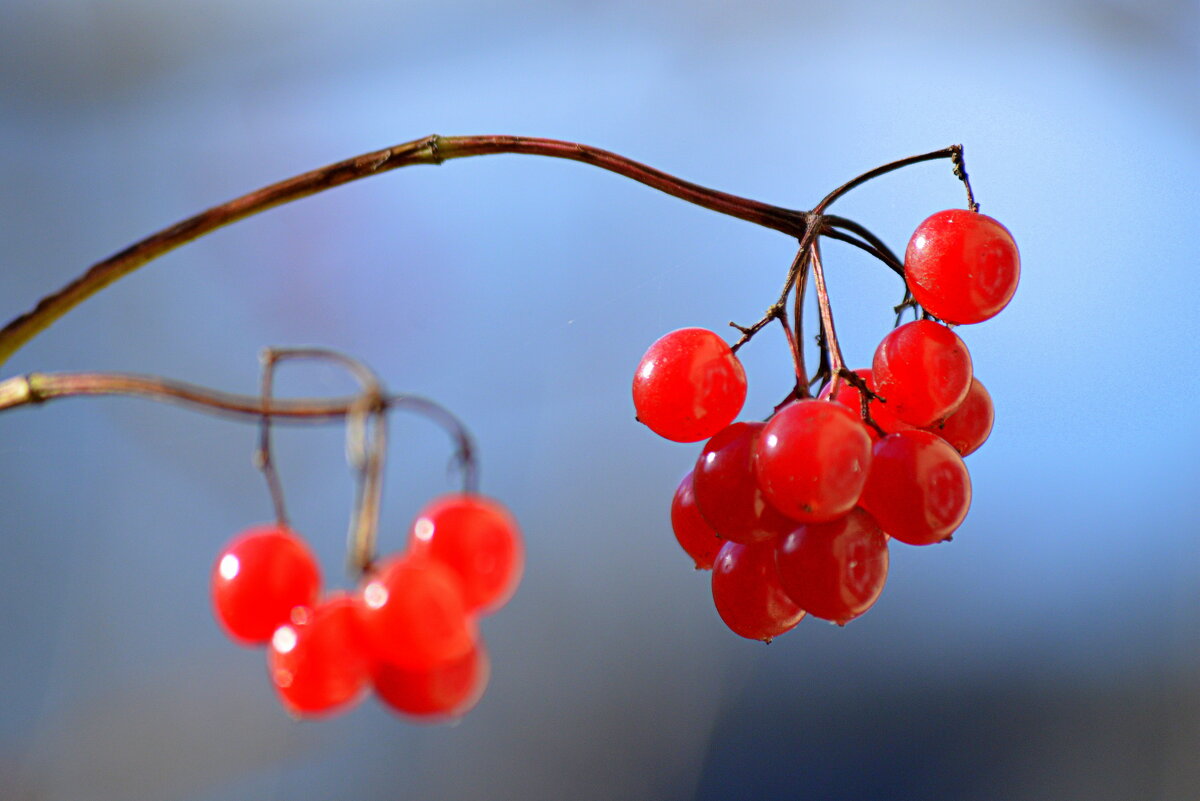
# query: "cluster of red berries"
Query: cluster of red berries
{"points": [[793, 515], [410, 629]]}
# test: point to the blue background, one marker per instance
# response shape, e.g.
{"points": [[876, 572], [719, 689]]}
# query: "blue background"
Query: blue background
{"points": [[1052, 651]]}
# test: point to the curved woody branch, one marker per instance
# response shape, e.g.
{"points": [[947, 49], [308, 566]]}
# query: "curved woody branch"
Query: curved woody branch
{"points": [[429, 150], [804, 226], [37, 388]]}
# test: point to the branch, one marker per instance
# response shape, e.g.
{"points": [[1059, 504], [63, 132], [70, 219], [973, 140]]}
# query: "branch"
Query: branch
{"points": [[954, 153], [429, 150], [36, 388]]}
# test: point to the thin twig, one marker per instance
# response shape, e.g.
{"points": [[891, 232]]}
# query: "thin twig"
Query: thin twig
{"points": [[780, 304], [872, 245], [842, 236], [953, 152], [797, 356], [908, 302], [835, 364], [837, 221], [366, 455], [802, 385], [960, 170], [262, 456]]}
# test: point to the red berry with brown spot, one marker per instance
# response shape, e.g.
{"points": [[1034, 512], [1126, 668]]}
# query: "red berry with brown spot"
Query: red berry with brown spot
{"points": [[811, 460]]}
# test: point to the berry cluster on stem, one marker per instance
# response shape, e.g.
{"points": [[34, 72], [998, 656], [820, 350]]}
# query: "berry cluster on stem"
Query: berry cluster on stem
{"points": [[794, 514], [410, 629]]}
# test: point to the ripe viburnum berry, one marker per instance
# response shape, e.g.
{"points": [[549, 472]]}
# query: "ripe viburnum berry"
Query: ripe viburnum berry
{"points": [[689, 385], [919, 490], [962, 266], [413, 614], [835, 570], [446, 691], [317, 659], [811, 460], [697, 538], [259, 578], [479, 540], [727, 491], [971, 423], [747, 593], [923, 371]]}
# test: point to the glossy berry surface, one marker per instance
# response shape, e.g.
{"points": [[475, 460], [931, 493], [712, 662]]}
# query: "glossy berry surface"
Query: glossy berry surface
{"points": [[446, 691], [835, 570], [962, 266], [479, 540], [851, 397], [257, 580], [923, 371], [811, 460], [971, 424], [414, 615], [316, 660], [747, 593], [689, 385], [697, 538], [727, 491], [919, 490]]}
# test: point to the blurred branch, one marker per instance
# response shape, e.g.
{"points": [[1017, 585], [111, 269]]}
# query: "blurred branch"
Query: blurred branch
{"points": [[36, 388]]}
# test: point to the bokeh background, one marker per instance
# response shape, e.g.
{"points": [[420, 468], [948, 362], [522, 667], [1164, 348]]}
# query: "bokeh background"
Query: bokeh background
{"points": [[1052, 651]]}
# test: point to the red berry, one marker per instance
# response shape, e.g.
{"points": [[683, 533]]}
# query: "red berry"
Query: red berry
{"points": [[413, 614], [479, 540], [970, 425], [811, 460], [923, 371], [849, 396], [447, 691], [747, 593], [259, 578], [919, 489], [316, 660], [695, 535], [962, 266], [835, 570], [727, 491], [689, 385]]}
